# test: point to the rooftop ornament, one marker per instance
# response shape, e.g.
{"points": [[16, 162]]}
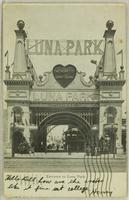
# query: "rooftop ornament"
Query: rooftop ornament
{"points": [[21, 24], [109, 24]]}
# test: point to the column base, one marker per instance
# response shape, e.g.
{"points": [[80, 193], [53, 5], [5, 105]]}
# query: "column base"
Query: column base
{"points": [[119, 150], [8, 151]]}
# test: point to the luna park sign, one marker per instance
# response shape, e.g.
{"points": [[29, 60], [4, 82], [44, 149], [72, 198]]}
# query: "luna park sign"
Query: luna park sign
{"points": [[64, 47]]}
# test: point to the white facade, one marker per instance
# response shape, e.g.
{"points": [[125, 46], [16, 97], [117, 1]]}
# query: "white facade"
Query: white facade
{"points": [[41, 97]]}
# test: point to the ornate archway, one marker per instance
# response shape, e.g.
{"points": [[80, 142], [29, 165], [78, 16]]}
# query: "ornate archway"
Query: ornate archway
{"points": [[60, 118]]}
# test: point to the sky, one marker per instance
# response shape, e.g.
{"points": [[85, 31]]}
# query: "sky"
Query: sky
{"points": [[64, 21]]}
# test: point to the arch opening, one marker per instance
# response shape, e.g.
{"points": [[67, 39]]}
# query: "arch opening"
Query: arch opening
{"points": [[77, 137]]}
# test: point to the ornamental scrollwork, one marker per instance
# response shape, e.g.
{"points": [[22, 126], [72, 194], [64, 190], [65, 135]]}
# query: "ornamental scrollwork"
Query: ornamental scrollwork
{"points": [[43, 79], [88, 84]]}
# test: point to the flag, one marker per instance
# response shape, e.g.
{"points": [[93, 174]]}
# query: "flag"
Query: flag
{"points": [[121, 51], [94, 61], [6, 53]]}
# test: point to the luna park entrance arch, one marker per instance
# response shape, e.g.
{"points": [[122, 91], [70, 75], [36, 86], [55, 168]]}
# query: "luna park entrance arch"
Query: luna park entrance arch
{"points": [[75, 140]]}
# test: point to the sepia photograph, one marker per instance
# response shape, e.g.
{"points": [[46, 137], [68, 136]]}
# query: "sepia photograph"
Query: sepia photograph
{"points": [[64, 99]]}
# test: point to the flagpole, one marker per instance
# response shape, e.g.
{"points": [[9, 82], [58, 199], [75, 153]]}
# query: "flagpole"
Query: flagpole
{"points": [[122, 58], [121, 52], [7, 56], [7, 59]]}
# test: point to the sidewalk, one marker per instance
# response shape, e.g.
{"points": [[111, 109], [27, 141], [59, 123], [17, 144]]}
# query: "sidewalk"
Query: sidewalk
{"points": [[64, 155]]}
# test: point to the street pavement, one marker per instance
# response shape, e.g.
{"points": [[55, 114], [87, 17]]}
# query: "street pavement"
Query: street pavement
{"points": [[101, 164]]}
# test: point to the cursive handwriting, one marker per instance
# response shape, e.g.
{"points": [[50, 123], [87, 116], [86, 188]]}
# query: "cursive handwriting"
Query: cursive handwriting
{"points": [[95, 191], [56, 183]]}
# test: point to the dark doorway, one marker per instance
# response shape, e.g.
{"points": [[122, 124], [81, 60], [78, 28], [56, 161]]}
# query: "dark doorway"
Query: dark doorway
{"points": [[74, 140], [19, 143]]}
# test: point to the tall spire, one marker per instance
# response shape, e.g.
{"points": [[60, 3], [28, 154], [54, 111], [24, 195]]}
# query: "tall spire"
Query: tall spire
{"points": [[20, 62], [109, 62]]}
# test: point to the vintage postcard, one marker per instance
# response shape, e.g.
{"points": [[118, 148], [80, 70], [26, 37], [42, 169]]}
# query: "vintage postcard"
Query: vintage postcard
{"points": [[64, 100]]}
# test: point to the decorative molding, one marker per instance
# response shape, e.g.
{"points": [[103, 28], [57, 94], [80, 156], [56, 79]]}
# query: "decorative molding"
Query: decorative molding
{"points": [[111, 101], [110, 94], [18, 82], [59, 105], [48, 76], [14, 101], [41, 83], [18, 77], [17, 94], [110, 82], [87, 84]]}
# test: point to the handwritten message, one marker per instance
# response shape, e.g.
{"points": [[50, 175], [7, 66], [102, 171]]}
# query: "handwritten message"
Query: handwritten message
{"points": [[56, 184]]}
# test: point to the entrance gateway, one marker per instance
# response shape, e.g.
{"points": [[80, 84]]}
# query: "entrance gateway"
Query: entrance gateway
{"points": [[90, 111], [74, 139]]}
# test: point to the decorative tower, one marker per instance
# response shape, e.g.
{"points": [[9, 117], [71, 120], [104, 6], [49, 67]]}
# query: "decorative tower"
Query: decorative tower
{"points": [[20, 61], [18, 89], [110, 86], [109, 65]]}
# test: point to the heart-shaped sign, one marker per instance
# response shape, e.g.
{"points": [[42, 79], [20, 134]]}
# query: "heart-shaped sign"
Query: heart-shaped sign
{"points": [[64, 75]]}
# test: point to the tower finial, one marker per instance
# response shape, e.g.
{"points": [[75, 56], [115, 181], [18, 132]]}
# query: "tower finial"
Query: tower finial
{"points": [[20, 61], [109, 24], [20, 24]]}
